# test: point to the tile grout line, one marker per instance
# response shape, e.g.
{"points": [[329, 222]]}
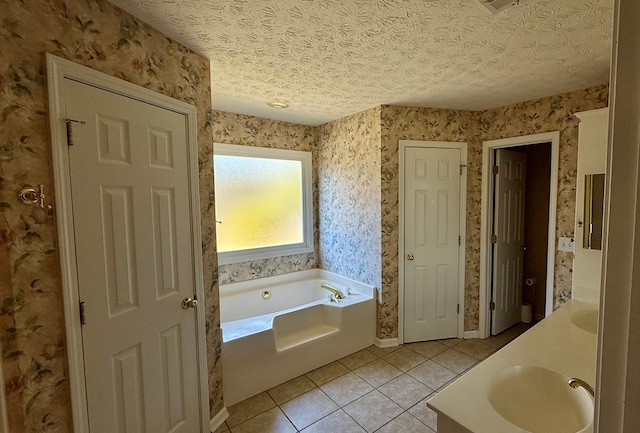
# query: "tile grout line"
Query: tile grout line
{"points": [[378, 354]]}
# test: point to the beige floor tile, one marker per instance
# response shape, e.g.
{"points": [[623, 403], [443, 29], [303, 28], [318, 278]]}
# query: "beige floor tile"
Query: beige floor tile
{"points": [[498, 341], [382, 351], [337, 422], [504, 338], [450, 342], [377, 373], [432, 374], [422, 412], [455, 360], [249, 408], [373, 410], [428, 349], [475, 348], [404, 359], [428, 366], [308, 408], [405, 391], [405, 423], [222, 429], [272, 421], [346, 389], [291, 389], [326, 373], [358, 359]]}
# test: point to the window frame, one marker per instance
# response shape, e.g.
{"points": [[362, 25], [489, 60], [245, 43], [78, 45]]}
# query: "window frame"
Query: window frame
{"points": [[307, 245]]}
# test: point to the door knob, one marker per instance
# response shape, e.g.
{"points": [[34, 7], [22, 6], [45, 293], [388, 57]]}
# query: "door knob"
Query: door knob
{"points": [[189, 303], [410, 256]]}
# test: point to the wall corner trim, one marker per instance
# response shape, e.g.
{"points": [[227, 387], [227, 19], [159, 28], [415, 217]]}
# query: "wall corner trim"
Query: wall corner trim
{"points": [[387, 342], [218, 419]]}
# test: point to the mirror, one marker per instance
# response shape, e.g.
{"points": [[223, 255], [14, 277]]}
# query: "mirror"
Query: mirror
{"points": [[593, 211]]}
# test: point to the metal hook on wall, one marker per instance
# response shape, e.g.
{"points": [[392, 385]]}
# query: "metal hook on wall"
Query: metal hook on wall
{"points": [[30, 195]]}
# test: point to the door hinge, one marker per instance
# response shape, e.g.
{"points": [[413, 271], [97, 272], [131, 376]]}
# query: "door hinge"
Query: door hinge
{"points": [[494, 239], [458, 309], [461, 167], [496, 169], [69, 121], [459, 240], [492, 306], [83, 320]]}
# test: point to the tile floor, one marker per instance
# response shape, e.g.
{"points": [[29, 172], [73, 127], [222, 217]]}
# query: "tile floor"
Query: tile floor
{"points": [[373, 390]]}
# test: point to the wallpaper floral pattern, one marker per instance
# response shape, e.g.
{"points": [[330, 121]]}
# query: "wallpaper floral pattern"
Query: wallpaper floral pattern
{"points": [[413, 123], [230, 128], [554, 113], [96, 34], [99, 35], [346, 186], [349, 197]]}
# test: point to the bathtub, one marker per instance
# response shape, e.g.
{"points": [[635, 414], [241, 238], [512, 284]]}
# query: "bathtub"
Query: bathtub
{"points": [[277, 328]]}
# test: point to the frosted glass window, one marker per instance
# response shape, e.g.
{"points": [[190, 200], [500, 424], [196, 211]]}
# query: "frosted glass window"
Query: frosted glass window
{"points": [[262, 200]]}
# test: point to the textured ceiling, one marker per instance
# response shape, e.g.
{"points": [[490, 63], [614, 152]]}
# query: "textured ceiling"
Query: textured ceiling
{"points": [[331, 58]]}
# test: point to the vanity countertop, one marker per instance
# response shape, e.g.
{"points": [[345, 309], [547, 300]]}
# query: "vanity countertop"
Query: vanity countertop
{"points": [[556, 343]]}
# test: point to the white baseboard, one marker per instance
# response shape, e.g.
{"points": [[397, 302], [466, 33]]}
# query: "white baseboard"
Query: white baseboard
{"points": [[470, 334], [387, 342], [217, 420]]}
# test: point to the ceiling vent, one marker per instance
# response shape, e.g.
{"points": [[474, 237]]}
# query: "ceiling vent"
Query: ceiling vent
{"points": [[496, 6]]}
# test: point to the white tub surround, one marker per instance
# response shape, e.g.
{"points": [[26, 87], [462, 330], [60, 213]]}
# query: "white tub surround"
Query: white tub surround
{"points": [[562, 346], [277, 328]]}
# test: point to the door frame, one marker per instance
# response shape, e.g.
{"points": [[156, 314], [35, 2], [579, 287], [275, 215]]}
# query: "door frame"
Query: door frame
{"points": [[486, 217], [58, 70], [462, 146]]}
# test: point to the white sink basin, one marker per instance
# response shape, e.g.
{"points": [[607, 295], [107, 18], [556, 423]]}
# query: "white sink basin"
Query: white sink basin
{"points": [[539, 400], [585, 319]]}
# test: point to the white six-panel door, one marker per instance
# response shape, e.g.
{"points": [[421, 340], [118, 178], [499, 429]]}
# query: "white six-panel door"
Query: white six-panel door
{"points": [[431, 243], [508, 253], [135, 264]]}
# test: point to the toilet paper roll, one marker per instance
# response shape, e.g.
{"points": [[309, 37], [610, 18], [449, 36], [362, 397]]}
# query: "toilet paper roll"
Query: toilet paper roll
{"points": [[530, 281], [527, 316]]}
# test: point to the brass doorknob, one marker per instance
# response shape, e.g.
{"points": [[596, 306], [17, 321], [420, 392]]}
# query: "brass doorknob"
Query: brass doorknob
{"points": [[410, 256], [189, 303]]}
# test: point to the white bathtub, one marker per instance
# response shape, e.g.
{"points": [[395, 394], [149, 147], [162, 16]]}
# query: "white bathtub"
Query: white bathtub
{"points": [[269, 338]]}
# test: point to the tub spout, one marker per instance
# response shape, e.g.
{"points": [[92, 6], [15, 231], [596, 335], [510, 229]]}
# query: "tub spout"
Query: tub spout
{"points": [[337, 293], [575, 383]]}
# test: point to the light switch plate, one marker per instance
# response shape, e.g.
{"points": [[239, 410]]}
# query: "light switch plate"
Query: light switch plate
{"points": [[566, 244]]}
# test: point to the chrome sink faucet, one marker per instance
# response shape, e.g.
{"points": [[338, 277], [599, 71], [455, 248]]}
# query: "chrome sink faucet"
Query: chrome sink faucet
{"points": [[575, 383], [337, 293]]}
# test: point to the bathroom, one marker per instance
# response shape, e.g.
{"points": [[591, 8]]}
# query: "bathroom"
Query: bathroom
{"points": [[34, 350]]}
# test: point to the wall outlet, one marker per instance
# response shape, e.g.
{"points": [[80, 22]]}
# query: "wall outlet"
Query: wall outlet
{"points": [[566, 244]]}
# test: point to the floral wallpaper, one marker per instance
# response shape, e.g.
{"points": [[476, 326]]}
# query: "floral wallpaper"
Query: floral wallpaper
{"points": [[346, 186], [349, 197], [413, 123], [410, 123], [230, 128], [99, 35], [554, 113]]}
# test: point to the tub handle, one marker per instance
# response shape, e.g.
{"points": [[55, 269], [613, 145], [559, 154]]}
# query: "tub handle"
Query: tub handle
{"points": [[189, 303]]}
